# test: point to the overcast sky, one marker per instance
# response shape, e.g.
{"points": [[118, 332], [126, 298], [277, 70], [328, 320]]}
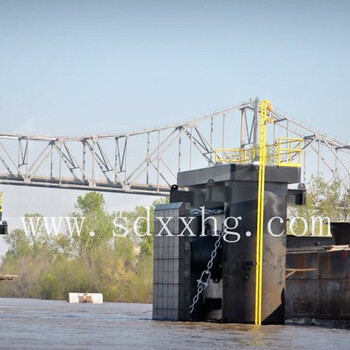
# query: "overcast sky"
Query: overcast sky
{"points": [[83, 67]]}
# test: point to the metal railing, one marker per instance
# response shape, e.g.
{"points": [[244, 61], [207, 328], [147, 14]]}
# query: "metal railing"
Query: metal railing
{"points": [[289, 151], [286, 151], [235, 155]]}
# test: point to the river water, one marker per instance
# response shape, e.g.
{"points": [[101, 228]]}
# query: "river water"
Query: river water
{"points": [[44, 324]]}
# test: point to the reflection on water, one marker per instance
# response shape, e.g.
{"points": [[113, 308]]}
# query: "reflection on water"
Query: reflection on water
{"points": [[42, 324]]}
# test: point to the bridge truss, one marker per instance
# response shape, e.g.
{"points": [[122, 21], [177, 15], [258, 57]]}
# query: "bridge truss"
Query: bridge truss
{"points": [[147, 161]]}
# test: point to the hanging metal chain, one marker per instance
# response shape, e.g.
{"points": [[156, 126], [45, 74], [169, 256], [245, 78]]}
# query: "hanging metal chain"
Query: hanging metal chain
{"points": [[203, 281], [200, 212]]}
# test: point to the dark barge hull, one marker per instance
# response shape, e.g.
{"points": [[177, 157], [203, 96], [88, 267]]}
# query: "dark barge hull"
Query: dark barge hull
{"points": [[320, 296]]}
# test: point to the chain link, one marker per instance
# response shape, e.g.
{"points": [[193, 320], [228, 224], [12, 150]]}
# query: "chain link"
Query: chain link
{"points": [[199, 212], [203, 281]]}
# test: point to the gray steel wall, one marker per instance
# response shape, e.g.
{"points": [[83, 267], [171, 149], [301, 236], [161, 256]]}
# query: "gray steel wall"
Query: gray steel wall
{"points": [[171, 292]]}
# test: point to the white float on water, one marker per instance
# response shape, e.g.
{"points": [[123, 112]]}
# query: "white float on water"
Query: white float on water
{"points": [[92, 298]]}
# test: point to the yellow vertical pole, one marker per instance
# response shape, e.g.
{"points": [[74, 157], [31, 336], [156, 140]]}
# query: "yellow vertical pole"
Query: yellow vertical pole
{"points": [[265, 105], [1, 201], [1, 204]]}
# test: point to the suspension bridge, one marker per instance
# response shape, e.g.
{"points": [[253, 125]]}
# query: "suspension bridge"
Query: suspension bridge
{"points": [[147, 161]]}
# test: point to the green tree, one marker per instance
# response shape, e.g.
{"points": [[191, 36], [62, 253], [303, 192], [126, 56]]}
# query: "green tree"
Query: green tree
{"points": [[52, 266], [97, 225], [19, 244], [323, 199]]}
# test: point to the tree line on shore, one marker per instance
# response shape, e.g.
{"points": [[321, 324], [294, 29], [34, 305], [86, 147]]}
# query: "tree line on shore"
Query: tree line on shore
{"points": [[51, 266]]}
